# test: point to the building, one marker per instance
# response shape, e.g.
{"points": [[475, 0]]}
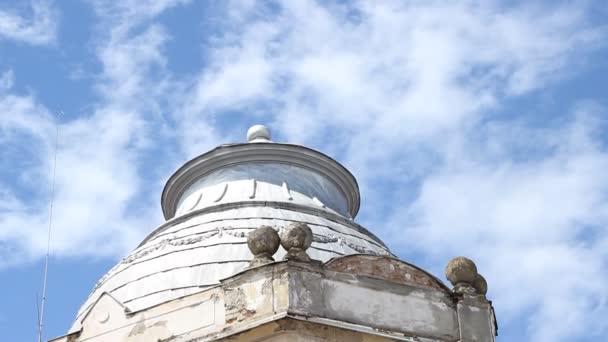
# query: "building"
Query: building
{"points": [[260, 245]]}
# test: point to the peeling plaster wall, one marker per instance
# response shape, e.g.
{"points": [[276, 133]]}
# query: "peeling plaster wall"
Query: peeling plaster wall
{"points": [[373, 302], [108, 322], [293, 301]]}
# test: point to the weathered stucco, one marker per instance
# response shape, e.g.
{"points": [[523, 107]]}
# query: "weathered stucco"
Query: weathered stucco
{"points": [[386, 268], [296, 301]]}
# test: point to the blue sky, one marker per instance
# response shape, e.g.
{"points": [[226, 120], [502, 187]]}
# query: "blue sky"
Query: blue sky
{"points": [[474, 128]]}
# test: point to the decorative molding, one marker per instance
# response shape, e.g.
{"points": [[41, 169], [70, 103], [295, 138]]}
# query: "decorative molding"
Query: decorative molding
{"points": [[349, 223], [228, 155], [198, 200], [220, 231], [324, 239], [234, 232], [286, 191], [253, 188], [343, 242], [222, 193]]}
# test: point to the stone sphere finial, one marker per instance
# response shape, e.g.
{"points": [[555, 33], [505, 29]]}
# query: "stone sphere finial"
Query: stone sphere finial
{"points": [[258, 133], [296, 239], [263, 243], [461, 272], [480, 284]]}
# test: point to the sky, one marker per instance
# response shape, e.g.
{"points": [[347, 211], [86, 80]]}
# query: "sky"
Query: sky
{"points": [[476, 128]]}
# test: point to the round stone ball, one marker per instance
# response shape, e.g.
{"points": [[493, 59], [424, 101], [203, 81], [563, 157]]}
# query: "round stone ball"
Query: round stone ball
{"points": [[296, 235], [461, 270], [480, 284], [264, 240]]}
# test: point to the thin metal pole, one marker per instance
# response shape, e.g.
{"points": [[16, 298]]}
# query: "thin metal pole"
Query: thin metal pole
{"points": [[48, 241]]}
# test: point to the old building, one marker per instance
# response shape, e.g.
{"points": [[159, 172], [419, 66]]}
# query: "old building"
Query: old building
{"points": [[260, 245]]}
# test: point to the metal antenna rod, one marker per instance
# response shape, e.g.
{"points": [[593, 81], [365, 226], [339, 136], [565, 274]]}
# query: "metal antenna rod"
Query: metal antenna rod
{"points": [[48, 241]]}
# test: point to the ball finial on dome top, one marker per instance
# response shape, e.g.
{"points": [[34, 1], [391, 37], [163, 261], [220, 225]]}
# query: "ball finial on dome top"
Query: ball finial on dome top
{"points": [[258, 133]]}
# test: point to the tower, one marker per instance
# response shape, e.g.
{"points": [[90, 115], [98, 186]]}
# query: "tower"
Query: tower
{"points": [[260, 244]]}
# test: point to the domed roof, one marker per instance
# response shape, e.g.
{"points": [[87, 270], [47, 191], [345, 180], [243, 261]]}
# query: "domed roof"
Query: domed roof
{"points": [[211, 204], [300, 173]]}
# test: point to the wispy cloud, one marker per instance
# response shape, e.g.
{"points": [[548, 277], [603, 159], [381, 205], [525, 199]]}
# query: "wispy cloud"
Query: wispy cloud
{"points": [[529, 204], [38, 26], [405, 93], [100, 194]]}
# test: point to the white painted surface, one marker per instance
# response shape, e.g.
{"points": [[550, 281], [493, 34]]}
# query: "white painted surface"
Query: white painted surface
{"points": [[196, 253], [263, 182]]}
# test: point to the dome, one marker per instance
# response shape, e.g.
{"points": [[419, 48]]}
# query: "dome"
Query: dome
{"points": [[215, 200]]}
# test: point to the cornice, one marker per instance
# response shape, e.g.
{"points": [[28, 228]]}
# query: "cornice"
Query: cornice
{"points": [[277, 205], [238, 154]]}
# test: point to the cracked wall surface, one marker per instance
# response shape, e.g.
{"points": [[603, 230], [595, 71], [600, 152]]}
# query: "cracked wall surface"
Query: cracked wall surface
{"points": [[365, 297]]}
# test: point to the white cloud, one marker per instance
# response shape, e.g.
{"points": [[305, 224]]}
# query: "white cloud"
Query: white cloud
{"points": [[6, 80], [535, 222], [402, 92], [99, 192], [386, 72], [131, 13], [96, 182], [39, 29]]}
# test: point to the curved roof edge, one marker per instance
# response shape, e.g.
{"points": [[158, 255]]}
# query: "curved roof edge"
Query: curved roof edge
{"points": [[233, 154], [279, 205]]}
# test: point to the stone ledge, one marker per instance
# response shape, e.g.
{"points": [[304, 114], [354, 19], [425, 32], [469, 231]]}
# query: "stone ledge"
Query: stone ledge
{"points": [[346, 300]]}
